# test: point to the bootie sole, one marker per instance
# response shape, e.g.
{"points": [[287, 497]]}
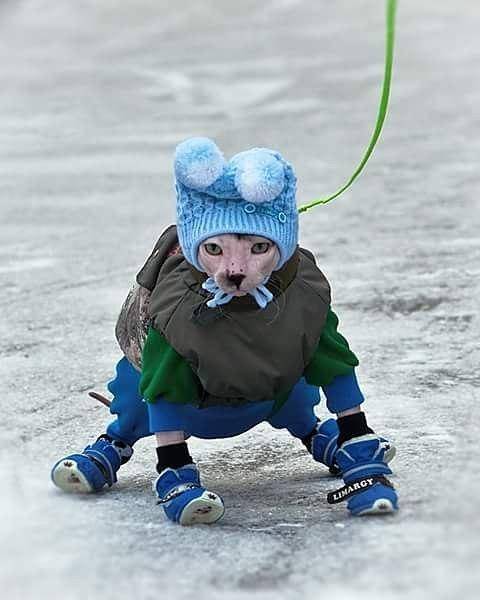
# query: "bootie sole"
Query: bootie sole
{"points": [[382, 506], [66, 475], [207, 508]]}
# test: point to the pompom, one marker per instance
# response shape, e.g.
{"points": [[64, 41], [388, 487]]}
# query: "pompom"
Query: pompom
{"points": [[259, 175], [198, 163]]}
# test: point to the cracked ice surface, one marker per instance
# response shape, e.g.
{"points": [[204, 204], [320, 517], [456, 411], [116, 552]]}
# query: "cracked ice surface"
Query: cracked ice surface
{"points": [[95, 95]]}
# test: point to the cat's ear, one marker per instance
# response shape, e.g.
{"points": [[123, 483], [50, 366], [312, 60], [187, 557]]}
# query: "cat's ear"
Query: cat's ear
{"points": [[198, 163], [259, 175]]}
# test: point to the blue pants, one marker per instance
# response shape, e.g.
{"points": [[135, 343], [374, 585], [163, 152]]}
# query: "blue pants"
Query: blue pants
{"points": [[137, 419]]}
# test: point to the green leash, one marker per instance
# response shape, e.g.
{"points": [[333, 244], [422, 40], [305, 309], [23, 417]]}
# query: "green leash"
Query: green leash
{"points": [[382, 111]]}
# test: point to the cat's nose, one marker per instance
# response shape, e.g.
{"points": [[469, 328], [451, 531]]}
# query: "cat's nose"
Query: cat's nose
{"points": [[236, 279]]}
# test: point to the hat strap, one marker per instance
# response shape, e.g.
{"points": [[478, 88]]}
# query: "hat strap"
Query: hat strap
{"points": [[261, 294]]}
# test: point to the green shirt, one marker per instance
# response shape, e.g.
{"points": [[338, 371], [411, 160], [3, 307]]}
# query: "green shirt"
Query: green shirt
{"points": [[166, 373]]}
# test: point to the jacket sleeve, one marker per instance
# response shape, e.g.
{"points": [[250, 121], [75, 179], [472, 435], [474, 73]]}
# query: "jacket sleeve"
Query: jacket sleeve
{"points": [[165, 373], [332, 357]]}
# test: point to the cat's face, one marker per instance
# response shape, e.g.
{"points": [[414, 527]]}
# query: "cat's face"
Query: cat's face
{"points": [[238, 262]]}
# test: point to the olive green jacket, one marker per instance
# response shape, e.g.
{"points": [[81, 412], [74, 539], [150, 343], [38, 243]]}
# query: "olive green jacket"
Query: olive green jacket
{"points": [[237, 353]]}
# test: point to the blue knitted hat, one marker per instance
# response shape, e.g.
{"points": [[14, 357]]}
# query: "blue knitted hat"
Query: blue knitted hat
{"points": [[253, 193]]}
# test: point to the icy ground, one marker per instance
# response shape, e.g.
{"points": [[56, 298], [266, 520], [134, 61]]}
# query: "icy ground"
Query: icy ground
{"points": [[94, 97]]}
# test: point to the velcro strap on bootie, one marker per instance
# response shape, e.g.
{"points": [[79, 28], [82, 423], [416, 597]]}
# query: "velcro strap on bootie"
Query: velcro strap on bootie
{"points": [[358, 485], [177, 491], [106, 457]]}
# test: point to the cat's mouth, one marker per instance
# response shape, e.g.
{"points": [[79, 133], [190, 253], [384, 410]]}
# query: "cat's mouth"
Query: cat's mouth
{"points": [[233, 290], [239, 288], [237, 292]]}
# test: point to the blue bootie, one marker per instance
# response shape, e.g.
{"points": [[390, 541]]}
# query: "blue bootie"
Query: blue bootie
{"points": [[94, 468], [183, 498], [323, 445], [363, 466]]}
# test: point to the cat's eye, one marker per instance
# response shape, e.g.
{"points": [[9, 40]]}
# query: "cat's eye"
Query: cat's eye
{"points": [[213, 249], [260, 248]]}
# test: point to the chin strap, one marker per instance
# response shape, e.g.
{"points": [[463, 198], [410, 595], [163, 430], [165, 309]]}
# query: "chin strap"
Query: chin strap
{"points": [[261, 294]]}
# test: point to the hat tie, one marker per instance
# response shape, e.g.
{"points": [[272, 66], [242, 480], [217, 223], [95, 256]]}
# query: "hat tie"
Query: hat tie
{"points": [[260, 293]]}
